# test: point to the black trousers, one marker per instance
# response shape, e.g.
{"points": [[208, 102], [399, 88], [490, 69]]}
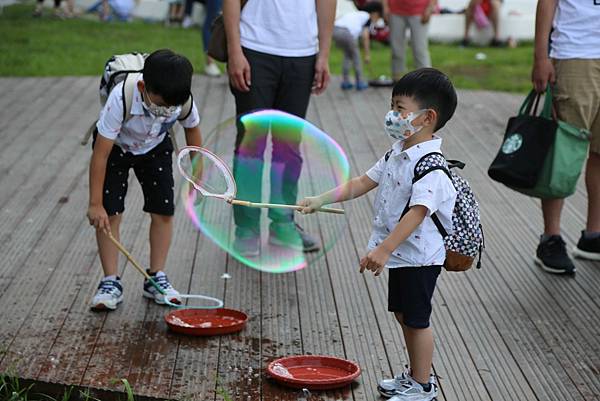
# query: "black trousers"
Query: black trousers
{"points": [[282, 83]]}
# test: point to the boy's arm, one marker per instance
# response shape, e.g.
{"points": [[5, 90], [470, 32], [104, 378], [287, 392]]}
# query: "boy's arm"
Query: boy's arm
{"points": [[352, 189], [366, 41], [193, 137], [378, 257], [96, 213]]}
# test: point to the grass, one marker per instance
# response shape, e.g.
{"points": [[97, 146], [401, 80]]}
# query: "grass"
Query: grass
{"points": [[51, 47], [11, 389]]}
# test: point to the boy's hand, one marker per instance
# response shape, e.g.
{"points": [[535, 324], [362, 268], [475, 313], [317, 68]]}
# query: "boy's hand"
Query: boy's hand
{"points": [[98, 217], [310, 204], [375, 260]]}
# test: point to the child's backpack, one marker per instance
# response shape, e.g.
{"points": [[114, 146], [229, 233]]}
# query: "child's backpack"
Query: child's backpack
{"points": [[466, 241], [127, 68]]}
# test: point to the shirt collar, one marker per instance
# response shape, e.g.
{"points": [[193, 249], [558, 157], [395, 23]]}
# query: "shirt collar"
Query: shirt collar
{"points": [[417, 151]]}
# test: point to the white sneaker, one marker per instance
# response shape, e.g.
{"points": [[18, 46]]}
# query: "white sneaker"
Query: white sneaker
{"points": [[160, 278], [108, 296], [413, 391], [187, 22], [390, 387], [212, 70]]}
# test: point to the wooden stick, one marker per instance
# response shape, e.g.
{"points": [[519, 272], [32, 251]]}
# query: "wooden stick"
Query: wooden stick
{"points": [[281, 206], [133, 262]]}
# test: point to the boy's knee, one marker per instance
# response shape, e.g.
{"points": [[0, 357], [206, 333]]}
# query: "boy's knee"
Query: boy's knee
{"points": [[161, 218]]}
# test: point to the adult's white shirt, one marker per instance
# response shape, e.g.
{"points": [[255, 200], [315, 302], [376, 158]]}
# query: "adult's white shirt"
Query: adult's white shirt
{"points": [[576, 32], [280, 27], [354, 22]]}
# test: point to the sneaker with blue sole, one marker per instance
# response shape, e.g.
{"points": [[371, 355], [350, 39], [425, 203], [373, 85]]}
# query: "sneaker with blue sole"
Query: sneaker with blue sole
{"points": [[108, 296]]}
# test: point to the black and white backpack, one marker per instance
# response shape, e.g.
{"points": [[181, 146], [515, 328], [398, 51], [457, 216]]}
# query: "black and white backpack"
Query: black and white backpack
{"points": [[127, 68], [466, 241]]}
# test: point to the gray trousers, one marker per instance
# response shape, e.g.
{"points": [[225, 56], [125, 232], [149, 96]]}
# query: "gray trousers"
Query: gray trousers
{"points": [[418, 42], [344, 40]]}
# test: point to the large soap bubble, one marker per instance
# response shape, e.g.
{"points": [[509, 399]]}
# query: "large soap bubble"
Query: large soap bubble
{"points": [[280, 159]]}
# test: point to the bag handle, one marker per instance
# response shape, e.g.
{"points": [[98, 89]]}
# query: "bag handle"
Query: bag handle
{"points": [[532, 100]]}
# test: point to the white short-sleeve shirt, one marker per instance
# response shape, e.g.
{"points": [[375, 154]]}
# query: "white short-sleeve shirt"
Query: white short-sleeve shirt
{"points": [[576, 33], [143, 131], [285, 28], [425, 246]]}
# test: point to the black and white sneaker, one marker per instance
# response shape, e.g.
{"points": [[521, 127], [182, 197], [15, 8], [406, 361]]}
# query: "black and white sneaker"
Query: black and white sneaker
{"points": [[108, 296], [392, 387], [150, 291], [587, 248], [551, 255]]}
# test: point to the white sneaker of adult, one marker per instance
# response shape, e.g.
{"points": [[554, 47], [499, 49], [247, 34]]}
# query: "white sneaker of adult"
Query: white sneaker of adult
{"points": [[187, 22], [212, 70]]}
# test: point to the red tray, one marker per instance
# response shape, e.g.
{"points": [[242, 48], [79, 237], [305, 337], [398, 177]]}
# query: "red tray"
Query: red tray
{"points": [[314, 372], [206, 322]]}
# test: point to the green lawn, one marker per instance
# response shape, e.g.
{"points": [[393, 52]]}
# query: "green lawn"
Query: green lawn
{"points": [[51, 47]]}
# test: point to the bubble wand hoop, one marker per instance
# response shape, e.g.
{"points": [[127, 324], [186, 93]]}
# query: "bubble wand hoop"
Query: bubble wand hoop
{"points": [[228, 193]]}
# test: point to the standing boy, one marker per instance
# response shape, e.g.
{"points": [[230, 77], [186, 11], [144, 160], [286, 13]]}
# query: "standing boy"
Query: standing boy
{"points": [[142, 143], [405, 238]]}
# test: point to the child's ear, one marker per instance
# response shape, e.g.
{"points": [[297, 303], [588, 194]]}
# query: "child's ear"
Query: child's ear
{"points": [[430, 117], [141, 85]]}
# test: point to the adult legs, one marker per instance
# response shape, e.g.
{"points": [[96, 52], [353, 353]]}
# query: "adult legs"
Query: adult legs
{"points": [[251, 140], [212, 9], [398, 25], [419, 41]]}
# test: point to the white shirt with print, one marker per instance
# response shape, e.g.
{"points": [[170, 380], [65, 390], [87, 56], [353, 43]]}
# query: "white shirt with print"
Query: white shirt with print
{"points": [[143, 131], [435, 191]]}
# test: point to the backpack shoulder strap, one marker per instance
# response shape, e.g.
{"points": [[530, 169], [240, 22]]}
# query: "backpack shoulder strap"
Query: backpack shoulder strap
{"points": [[186, 108], [428, 163], [129, 85]]}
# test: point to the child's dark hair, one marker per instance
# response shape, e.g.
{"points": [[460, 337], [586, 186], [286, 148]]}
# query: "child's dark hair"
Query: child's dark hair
{"points": [[372, 7], [169, 75], [431, 89]]}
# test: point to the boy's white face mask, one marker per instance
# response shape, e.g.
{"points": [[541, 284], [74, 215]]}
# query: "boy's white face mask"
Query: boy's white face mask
{"points": [[159, 111], [399, 127]]}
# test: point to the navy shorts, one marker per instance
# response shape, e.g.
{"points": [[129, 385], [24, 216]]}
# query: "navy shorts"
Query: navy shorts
{"points": [[154, 171], [410, 290]]}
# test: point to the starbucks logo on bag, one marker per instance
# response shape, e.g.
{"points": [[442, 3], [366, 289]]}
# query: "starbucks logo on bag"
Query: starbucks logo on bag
{"points": [[512, 143]]}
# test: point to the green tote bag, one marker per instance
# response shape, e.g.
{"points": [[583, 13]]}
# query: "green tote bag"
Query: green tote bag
{"points": [[563, 163]]}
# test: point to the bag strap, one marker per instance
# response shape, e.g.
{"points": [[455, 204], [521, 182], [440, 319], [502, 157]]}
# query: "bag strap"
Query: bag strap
{"points": [[129, 85], [532, 100], [186, 108], [417, 177]]}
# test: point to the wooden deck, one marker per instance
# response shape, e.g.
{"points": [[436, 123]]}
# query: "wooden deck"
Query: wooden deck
{"points": [[507, 332]]}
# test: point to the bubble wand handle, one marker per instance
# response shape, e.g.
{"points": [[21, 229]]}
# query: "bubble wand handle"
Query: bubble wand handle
{"points": [[280, 206], [133, 262]]}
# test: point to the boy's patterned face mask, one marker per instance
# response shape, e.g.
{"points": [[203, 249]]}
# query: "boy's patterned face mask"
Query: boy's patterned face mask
{"points": [[399, 127], [159, 111]]}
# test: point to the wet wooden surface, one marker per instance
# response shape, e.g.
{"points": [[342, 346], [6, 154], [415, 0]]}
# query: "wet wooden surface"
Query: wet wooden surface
{"points": [[506, 332]]}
